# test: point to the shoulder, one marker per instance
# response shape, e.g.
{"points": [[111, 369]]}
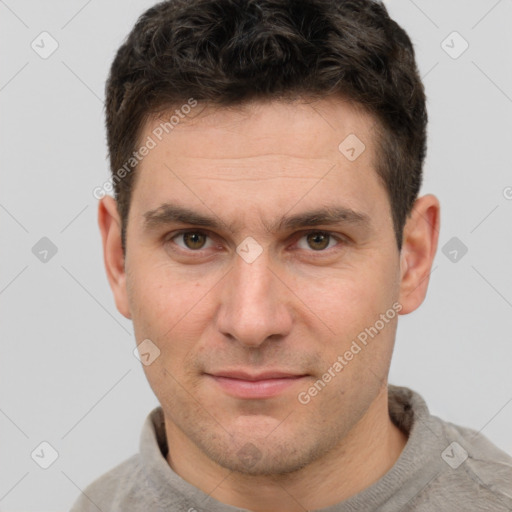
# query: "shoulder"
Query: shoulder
{"points": [[128, 487], [476, 473], [450, 467], [484, 461], [119, 489]]}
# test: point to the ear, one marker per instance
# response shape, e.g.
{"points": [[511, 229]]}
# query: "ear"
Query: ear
{"points": [[420, 237], [110, 227]]}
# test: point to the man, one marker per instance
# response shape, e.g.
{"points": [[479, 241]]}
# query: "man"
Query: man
{"points": [[266, 234]]}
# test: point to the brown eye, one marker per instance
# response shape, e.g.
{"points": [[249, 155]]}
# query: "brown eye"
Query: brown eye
{"points": [[318, 240], [194, 240]]}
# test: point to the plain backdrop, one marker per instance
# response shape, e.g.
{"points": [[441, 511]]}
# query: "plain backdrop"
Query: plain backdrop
{"points": [[68, 376]]}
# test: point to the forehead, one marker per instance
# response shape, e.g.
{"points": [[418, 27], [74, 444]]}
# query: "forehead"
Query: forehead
{"points": [[273, 153], [309, 129]]}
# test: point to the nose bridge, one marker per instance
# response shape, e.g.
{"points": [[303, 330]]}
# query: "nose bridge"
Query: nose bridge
{"points": [[253, 306]]}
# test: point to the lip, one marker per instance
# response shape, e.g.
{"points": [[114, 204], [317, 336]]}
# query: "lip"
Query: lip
{"points": [[255, 386]]}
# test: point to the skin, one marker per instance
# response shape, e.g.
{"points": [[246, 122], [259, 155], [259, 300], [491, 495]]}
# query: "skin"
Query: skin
{"points": [[296, 307]]}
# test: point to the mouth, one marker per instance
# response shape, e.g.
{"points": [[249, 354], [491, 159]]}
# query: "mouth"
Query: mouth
{"points": [[255, 386]]}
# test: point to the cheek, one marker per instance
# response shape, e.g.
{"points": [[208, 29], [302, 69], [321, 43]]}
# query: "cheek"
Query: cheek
{"points": [[348, 299], [170, 317], [345, 310], [169, 309]]}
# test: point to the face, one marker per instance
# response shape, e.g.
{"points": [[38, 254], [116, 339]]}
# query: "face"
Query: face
{"points": [[257, 249]]}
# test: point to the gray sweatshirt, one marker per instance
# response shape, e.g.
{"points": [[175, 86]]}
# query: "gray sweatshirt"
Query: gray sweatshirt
{"points": [[443, 467]]}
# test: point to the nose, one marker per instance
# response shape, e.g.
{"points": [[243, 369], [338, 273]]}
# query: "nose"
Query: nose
{"points": [[255, 304]]}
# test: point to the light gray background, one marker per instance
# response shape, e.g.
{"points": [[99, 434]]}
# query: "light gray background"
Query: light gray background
{"points": [[67, 372]]}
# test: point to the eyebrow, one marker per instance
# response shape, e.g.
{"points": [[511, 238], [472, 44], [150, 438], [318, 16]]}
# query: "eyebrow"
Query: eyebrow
{"points": [[168, 213]]}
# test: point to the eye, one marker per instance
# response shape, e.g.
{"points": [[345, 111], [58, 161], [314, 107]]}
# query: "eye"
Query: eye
{"points": [[191, 240], [318, 241], [195, 241]]}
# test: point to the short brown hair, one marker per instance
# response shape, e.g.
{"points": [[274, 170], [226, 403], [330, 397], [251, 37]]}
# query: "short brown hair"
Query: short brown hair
{"points": [[227, 52]]}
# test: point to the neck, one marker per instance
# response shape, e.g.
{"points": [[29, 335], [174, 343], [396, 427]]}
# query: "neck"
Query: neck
{"points": [[359, 460]]}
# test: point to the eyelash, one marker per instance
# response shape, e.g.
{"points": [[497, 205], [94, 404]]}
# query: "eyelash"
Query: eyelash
{"points": [[338, 238]]}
